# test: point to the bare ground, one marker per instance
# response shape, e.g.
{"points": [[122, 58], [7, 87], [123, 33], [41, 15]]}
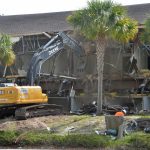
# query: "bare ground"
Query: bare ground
{"points": [[57, 124]]}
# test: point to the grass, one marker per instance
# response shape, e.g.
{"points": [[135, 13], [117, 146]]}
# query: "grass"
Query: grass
{"points": [[36, 138], [7, 137], [137, 140], [82, 135]]}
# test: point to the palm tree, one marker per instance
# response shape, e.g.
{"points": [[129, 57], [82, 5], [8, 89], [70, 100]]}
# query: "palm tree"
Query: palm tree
{"points": [[7, 56], [145, 35], [99, 21]]}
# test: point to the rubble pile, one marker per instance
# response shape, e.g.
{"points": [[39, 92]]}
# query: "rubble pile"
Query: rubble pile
{"points": [[143, 123]]}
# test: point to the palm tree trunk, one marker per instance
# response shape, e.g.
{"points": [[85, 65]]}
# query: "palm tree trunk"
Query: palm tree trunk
{"points": [[100, 50], [4, 73]]}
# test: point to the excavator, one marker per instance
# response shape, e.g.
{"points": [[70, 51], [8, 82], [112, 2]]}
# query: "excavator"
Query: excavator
{"points": [[26, 99]]}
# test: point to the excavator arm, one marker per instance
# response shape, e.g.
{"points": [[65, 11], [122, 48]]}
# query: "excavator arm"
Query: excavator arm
{"points": [[55, 45]]}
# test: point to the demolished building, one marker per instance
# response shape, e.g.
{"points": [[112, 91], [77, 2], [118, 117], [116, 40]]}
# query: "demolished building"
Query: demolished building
{"points": [[30, 32]]}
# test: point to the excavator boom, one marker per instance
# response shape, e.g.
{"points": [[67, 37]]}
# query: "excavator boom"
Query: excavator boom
{"points": [[55, 45]]}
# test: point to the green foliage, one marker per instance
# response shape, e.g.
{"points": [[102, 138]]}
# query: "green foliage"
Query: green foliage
{"points": [[5, 45], [124, 30], [74, 140], [7, 137], [137, 140], [145, 35], [77, 140], [36, 138], [7, 56], [104, 19]]}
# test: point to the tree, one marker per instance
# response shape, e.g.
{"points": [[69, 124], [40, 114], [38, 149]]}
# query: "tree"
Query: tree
{"points": [[145, 35], [7, 56], [99, 21]]}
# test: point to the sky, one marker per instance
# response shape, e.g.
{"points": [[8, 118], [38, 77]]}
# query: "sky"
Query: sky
{"points": [[17, 7]]}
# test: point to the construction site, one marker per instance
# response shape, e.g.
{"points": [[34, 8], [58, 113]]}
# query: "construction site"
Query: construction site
{"points": [[57, 59], [58, 65]]}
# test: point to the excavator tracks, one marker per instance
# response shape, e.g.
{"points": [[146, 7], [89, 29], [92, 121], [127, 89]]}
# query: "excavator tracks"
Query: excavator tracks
{"points": [[24, 113], [7, 110]]}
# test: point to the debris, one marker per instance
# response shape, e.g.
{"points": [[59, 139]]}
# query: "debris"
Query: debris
{"points": [[90, 108], [100, 132], [144, 73], [48, 129], [112, 132], [130, 126], [144, 112], [69, 129], [133, 65], [112, 109], [143, 123], [94, 115], [147, 130]]}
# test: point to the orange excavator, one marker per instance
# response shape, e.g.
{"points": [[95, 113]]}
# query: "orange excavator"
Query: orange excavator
{"points": [[26, 100]]}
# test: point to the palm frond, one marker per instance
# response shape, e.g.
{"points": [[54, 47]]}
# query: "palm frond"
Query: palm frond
{"points": [[7, 55], [9, 58], [5, 44], [97, 19], [125, 30]]}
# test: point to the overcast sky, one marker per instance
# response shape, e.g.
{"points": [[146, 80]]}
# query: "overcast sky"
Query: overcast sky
{"points": [[14, 7]]}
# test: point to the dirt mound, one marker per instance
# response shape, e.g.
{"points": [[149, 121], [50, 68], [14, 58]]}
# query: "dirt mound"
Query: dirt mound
{"points": [[58, 124], [33, 123]]}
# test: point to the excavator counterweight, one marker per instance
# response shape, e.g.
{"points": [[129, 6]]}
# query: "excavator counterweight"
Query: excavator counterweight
{"points": [[22, 95]]}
